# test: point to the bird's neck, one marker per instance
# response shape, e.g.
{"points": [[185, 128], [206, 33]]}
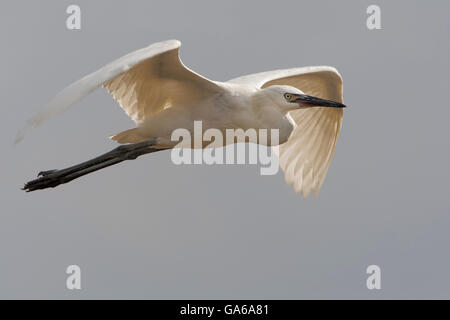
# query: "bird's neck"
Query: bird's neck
{"points": [[265, 108], [268, 115]]}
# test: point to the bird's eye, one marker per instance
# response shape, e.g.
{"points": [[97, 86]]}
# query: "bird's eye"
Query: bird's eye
{"points": [[288, 96]]}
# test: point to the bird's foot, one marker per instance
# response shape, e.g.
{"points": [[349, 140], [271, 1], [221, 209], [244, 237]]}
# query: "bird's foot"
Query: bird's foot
{"points": [[46, 179]]}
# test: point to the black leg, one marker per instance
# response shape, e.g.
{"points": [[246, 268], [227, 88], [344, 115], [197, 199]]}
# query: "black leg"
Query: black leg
{"points": [[53, 178]]}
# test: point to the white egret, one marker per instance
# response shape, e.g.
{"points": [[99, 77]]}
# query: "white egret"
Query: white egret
{"points": [[160, 94]]}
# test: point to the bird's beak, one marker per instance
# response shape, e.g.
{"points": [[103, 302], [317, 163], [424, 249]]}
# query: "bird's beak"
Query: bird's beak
{"points": [[309, 101]]}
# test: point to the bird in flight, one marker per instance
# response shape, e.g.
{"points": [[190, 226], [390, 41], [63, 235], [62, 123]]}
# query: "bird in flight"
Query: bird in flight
{"points": [[161, 94]]}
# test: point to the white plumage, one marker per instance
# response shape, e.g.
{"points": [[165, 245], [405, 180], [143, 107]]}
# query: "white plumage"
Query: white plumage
{"points": [[160, 94]]}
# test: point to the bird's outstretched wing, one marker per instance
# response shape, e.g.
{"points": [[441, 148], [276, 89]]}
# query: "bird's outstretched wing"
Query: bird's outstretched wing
{"points": [[144, 82], [307, 154]]}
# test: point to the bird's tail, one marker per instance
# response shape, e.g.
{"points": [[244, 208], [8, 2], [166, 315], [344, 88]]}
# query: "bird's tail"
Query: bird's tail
{"points": [[128, 136]]}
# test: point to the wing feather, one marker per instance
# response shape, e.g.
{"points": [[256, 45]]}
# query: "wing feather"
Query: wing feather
{"points": [[156, 84], [143, 82]]}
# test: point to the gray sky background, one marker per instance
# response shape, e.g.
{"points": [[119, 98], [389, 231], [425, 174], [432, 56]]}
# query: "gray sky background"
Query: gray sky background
{"points": [[150, 229]]}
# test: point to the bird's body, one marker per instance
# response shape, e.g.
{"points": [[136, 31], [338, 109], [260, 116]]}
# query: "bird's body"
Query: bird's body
{"points": [[237, 107], [161, 95]]}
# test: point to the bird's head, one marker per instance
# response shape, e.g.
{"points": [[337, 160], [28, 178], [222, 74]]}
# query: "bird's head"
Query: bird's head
{"points": [[289, 98]]}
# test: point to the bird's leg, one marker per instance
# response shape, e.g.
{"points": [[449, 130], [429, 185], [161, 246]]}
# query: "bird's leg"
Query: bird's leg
{"points": [[53, 178]]}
